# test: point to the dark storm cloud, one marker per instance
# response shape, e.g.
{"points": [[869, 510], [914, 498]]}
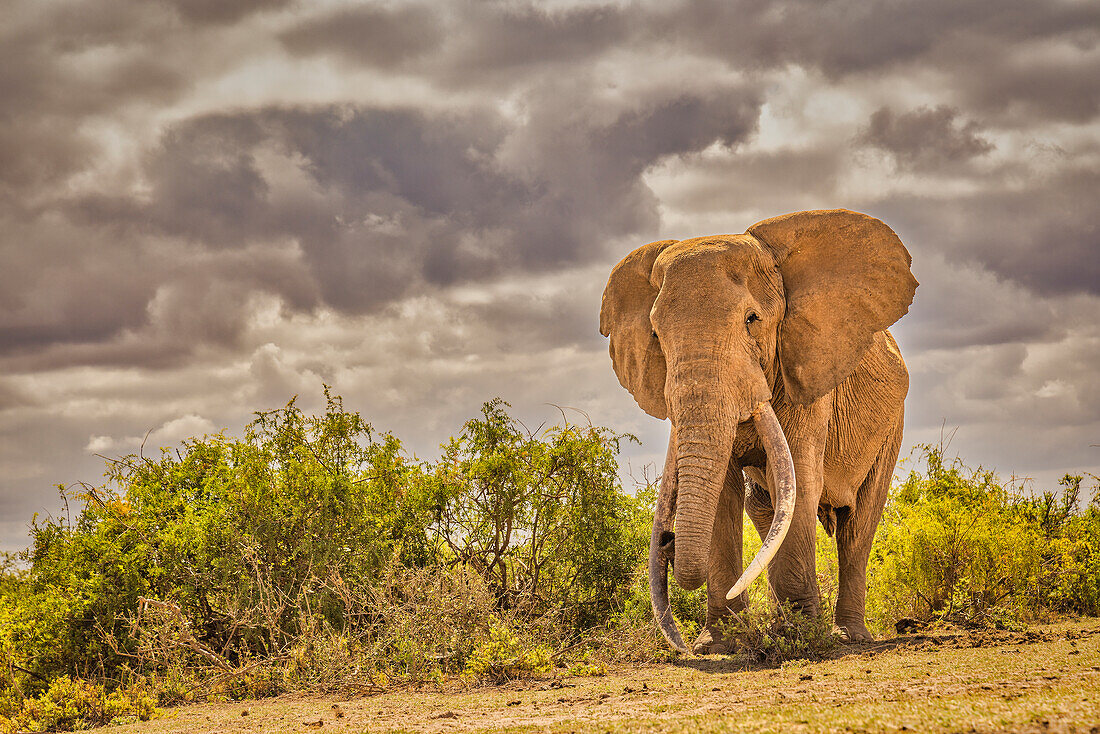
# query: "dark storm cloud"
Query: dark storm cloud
{"points": [[503, 36], [1044, 233], [972, 42], [532, 322], [1043, 78], [774, 181], [683, 124], [61, 282], [121, 301], [1037, 60], [1028, 57], [374, 35], [205, 183], [843, 37], [60, 64], [964, 306], [215, 12], [469, 42], [925, 138], [376, 204]]}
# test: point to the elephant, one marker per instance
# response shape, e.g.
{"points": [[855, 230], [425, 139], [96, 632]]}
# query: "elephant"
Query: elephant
{"points": [[769, 352]]}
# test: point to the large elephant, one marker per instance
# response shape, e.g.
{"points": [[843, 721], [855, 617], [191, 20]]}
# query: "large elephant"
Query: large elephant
{"points": [[769, 352]]}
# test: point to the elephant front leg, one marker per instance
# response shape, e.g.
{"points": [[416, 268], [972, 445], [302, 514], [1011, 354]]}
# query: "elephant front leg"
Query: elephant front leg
{"points": [[792, 573], [724, 565]]}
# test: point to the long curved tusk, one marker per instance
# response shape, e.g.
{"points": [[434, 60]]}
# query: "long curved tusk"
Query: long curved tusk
{"points": [[661, 552], [782, 468]]}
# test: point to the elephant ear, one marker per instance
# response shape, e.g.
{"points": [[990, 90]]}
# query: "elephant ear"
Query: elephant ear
{"points": [[846, 276], [624, 316]]}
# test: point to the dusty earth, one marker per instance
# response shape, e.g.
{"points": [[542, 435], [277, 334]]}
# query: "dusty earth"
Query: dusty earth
{"points": [[1043, 680]]}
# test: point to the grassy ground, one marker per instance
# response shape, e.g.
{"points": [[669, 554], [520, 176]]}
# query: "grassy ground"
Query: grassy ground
{"points": [[1044, 680]]}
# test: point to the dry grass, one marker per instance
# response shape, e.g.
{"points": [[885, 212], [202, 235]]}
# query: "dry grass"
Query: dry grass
{"points": [[1045, 680]]}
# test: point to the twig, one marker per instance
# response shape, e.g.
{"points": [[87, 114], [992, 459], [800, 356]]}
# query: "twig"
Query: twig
{"points": [[185, 631], [31, 673]]}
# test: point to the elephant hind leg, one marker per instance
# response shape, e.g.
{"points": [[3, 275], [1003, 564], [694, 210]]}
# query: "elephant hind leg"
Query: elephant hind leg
{"points": [[758, 506], [855, 531]]}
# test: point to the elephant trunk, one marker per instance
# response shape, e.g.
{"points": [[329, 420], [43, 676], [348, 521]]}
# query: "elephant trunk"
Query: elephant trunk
{"points": [[705, 421], [704, 428]]}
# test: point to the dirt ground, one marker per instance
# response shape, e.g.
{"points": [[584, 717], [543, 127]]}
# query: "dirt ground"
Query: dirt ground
{"points": [[1046, 680]]}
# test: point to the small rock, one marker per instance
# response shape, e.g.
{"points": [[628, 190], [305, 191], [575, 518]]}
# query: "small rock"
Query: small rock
{"points": [[807, 676], [514, 703], [314, 724], [337, 711], [246, 712]]}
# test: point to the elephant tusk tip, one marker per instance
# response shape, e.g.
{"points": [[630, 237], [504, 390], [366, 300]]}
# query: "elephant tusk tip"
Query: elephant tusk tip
{"points": [[736, 590]]}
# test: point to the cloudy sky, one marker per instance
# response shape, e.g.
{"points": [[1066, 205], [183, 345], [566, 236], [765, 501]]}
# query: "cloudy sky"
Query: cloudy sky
{"points": [[207, 207]]}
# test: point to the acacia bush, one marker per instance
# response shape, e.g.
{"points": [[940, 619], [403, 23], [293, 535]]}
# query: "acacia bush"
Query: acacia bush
{"points": [[541, 517], [261, 562], [956, 545]]}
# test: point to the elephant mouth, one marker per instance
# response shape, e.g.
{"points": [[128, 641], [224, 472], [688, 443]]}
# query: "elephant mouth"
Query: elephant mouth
{"points": [[662, 539]]}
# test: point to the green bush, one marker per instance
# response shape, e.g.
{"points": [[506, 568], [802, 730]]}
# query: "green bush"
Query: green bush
{"points": [[506, 656], [314, 550], [246, 538], [775, 633], [955, 545], [541, 517], [75, 704]]}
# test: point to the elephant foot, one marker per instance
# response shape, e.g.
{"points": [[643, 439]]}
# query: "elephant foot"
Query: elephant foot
{"points": [[854, 632], [711, 642]]}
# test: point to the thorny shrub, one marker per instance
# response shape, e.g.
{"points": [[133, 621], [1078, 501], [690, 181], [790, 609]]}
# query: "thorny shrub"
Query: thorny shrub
{"points": [[958, 546], [313, 552], [777, 633]]}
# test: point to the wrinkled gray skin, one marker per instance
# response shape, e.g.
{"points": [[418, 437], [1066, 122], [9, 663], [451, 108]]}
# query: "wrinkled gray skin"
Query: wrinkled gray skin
{"points": [[793, 313]]}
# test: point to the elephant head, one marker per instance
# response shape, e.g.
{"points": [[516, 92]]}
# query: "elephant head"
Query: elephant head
{"points": [[713, 331]]}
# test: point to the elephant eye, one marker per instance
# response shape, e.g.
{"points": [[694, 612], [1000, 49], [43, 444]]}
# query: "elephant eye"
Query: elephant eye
{"points": [[655, 335], [751, 317]]}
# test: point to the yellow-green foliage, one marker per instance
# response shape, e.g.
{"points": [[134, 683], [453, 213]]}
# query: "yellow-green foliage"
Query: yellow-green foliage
{"points": [[76, 704], [314, 550], [776, 633], [956, 545], [506, 656]]}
